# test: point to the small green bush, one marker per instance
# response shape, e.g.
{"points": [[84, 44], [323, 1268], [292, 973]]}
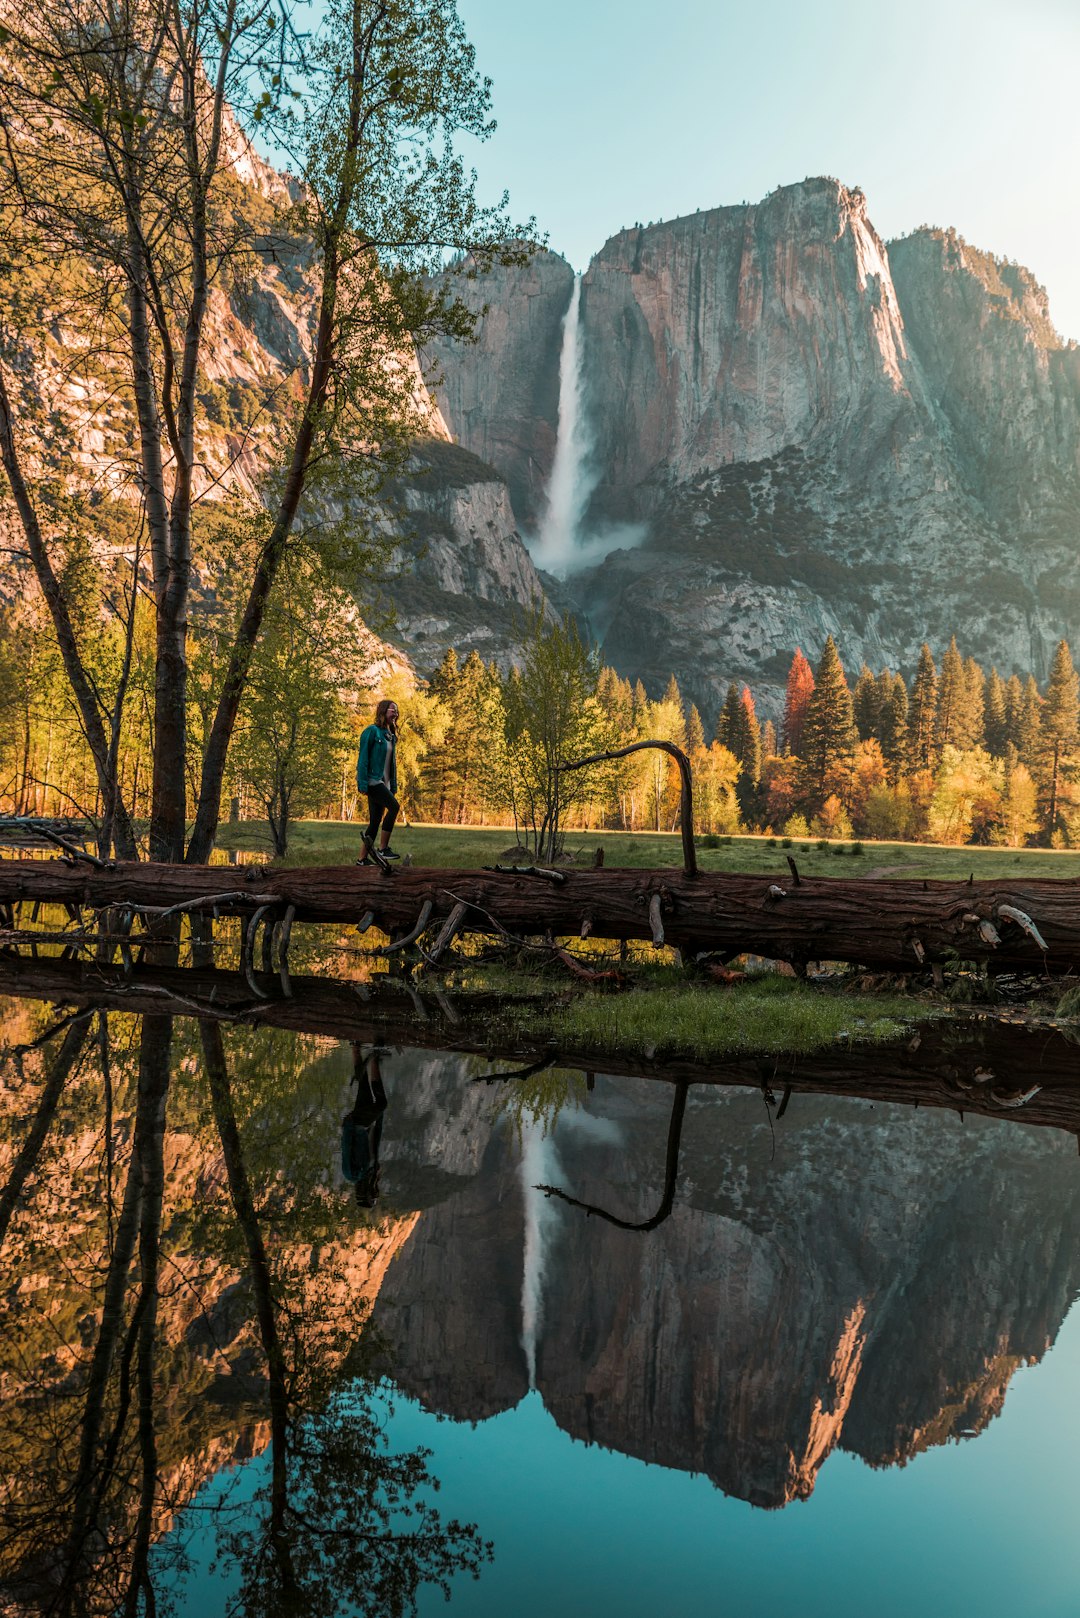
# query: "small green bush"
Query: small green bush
{"points": [[785, 842], [822, 845], [857, 848], [770, 842], [1069, 1004]]}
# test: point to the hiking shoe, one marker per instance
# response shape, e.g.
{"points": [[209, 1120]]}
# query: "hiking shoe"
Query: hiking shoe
{"points": [[389, 854]]}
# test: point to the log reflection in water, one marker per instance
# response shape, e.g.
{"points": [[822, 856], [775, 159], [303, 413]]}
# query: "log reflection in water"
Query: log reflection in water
{"points": [[111, 1422], [974, 1064]]}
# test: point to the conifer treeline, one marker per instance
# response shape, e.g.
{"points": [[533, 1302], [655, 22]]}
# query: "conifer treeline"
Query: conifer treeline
{"points": [[954, 754], [949, 754]]}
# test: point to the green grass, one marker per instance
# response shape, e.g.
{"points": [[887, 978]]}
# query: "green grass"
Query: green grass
{"points": [[665, 1014], [768, 1015], [331, 842]]}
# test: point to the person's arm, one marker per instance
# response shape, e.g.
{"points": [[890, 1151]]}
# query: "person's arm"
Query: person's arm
{"points": [[363, 759]]}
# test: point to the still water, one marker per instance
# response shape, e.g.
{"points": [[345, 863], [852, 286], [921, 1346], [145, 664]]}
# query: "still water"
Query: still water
{"points": [[288, 1329]]}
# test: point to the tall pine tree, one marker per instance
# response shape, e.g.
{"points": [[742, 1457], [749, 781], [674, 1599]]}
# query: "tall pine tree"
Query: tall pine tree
{"points": [[695, 731], [970, 728], [922, 712], [950, 698], [995, 722], [1059, 722], [829, 736], [893, 733], [866, 705], [1030, 723]]}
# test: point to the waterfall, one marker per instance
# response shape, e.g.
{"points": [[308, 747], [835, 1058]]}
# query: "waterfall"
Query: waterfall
{"points": [[538, 1167], [557, 546]]}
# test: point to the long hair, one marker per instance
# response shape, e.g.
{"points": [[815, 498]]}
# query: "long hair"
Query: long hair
{"points": [[381, 712]]}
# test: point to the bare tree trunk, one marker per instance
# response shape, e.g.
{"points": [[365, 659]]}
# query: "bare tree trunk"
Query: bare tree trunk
{"points": [[59, 611]]}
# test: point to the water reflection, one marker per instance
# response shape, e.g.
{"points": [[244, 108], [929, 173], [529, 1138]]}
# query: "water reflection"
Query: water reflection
{"points": [[181, 1292], [213, 1250], [853, 1275], [361, 1128]]}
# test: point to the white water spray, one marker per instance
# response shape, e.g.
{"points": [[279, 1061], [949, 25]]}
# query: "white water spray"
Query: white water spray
{"points": [[572, 478], [539, 1166]]}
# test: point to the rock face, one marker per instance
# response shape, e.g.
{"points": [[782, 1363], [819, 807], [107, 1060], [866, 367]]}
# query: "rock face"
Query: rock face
{"points": [[464, 578], [769, 1320], [820, 434], [500, 396], [462, 570]]}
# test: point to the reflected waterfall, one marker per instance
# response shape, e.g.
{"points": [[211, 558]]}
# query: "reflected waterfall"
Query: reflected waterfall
{"points": [[538, 1166]]}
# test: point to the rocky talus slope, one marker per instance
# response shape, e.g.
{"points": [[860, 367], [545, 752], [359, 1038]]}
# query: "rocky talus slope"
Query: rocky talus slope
{"points": [[820, 433]]}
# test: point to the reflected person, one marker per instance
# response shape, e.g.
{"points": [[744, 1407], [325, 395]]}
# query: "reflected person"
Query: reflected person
{"points": [[361, 1129]]}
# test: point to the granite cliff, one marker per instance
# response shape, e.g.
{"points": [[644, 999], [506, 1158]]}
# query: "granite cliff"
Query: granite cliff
{"points": [[461, 574], [819, 432]]}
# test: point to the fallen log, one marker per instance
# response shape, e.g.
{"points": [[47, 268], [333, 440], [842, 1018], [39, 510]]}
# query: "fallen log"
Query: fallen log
{"points": [[978, 1064], [886, 925]]}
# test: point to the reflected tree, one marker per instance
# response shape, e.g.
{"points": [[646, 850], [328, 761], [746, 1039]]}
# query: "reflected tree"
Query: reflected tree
{"points": [[166, 1336], [671, 1176], [342, 1525]]}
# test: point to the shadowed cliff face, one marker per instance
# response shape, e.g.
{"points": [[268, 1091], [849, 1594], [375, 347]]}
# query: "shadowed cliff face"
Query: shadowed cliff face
{"points": [[821, 435], [500, 396], [872, 1285], [463, 578]]}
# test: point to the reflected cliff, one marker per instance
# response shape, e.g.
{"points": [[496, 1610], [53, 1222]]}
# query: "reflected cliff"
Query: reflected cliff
{"points": [[217, 1240], [743, 1294]]}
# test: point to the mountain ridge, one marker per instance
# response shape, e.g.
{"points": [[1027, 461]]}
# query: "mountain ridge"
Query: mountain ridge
{"points": [[820, 432]]}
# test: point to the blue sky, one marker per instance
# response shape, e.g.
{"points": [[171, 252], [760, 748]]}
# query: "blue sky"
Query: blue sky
{"points": [[960, 112]]}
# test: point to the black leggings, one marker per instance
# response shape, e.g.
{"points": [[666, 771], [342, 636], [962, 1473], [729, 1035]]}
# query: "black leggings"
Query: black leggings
{"points": [[381, 801]]}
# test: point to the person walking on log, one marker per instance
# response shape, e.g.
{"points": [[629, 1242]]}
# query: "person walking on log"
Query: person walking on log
{"points": [[376, 774]]}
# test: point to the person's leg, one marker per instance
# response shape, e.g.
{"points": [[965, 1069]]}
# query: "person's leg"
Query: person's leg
{"points": [[392, 806], [376, 798]]}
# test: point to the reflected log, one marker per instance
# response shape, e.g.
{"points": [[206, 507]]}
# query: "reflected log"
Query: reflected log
{"points": [[894, 926], [979, 1063]]}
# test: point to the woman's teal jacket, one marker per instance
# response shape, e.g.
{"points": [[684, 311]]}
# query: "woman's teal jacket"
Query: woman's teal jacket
{"points": [[371, 759]]}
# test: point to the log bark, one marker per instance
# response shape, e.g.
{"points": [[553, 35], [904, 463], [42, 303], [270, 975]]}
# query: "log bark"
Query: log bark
{"points": [[895, 926], [978, 1063]]}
